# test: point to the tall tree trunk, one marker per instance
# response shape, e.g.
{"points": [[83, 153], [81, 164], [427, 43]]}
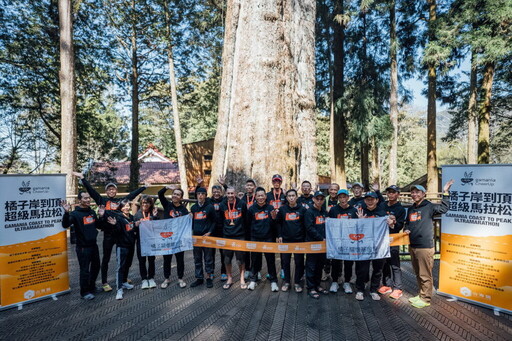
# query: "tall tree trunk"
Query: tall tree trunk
{"points": [[432, 173], [393, 95], [472, 111], [365, 163], [175, 109], [134, 77], [484, 116], [375, 162], [267, 107], [338, 132], [67, 96]]}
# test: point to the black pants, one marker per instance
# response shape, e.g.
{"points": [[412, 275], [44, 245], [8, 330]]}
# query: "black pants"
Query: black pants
{"points": [[121, 261], [391, 271], [363, 274], [286, 259], [89, 261], [129, 261], [256, 262], [180, 263], [201, 253], [247, 260], [149, 272], [314, 264], [341, 265], [108, 245], [222, 263]]}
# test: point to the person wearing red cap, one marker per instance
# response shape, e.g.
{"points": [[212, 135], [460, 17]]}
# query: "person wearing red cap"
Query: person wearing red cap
{"points": [[276, 197], [110, 203], [420, 228]]}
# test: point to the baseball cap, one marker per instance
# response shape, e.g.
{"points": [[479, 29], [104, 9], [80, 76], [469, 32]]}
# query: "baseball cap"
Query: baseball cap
{"points": [[277, 177], [343, 191], [201, 190], [357, 184], [319, 194], [393, 188], [371, 195], [419, 188], [110, 184]]}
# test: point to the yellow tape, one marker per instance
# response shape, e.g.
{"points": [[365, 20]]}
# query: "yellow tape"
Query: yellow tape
{"points": [[250, 246]]}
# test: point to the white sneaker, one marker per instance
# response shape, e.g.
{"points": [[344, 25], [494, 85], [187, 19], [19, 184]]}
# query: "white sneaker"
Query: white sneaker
{"points": [[251, 285], [359, 296], [182, 283], [347, 288], [274, 287], [88, 297], [145, 284], [119, 295], [334, 287], [127, 285], [152, 283], [375, 296]]}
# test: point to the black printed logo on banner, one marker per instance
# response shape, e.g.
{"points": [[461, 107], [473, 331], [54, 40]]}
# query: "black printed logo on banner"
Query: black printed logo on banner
{"points": [[25, 187], [467, 179]]}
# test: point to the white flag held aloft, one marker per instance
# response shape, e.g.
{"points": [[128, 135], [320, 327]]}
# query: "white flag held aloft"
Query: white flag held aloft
{"points": [[357, 239], [165, 237]]}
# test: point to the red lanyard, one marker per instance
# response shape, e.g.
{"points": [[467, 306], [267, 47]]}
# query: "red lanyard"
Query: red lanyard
{"points": [[250, 201], [278, 195]]}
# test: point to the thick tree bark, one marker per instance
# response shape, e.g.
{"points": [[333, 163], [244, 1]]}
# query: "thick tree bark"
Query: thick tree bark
{"points": [[432, 173], [472, 111], [134, 77], [67, 96], [484, 116], [375, 162], [393, 96], [175, 109], [267, 107], [338, 125], [365, 163]]}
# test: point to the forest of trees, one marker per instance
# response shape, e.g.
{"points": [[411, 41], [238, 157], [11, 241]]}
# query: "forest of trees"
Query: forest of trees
{"points": [[305, 87]]}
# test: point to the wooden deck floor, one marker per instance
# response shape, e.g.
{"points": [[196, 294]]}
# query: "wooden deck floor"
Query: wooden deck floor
{"points": [[235, 314]]}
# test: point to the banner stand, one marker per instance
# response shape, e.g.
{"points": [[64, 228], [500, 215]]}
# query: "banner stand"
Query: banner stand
{"points": [[452, 298], [21, 304]]}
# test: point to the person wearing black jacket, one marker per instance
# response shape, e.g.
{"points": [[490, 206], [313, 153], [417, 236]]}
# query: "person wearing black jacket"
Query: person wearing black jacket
{"points": [[262, 229], [420, 228], [371, 209], [110, 202], [215, 200], [291, 229], [358, 198], [85, 223], [147, 211], [306, 198], [173, 209], [232, 215], [248, 199], [276, 196], [203, 224], [342, 211], [314, 220], [391, 271], [120, 222]]}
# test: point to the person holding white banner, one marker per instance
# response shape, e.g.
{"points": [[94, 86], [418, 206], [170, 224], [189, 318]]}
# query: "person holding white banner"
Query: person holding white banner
{"points": [[85, 221], [342, 211], [173, 209], [370, 209], [420, 228]]}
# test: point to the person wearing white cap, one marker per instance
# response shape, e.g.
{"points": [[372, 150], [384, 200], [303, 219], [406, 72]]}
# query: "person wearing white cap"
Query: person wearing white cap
{"points": [[357, 200], [110, 202], [420, 228]]}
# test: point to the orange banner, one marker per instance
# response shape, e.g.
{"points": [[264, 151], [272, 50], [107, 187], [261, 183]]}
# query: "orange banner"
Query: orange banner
{"points": [[33, 269], [250, 246]]}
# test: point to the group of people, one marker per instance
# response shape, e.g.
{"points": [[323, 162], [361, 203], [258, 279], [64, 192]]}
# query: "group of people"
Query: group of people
{"points": [[275, 216]]}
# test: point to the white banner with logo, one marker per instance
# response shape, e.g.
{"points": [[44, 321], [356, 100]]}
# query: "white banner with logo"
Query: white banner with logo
{"points": [[476, 238], [357, 239], [166, 237], [33, 244]]}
